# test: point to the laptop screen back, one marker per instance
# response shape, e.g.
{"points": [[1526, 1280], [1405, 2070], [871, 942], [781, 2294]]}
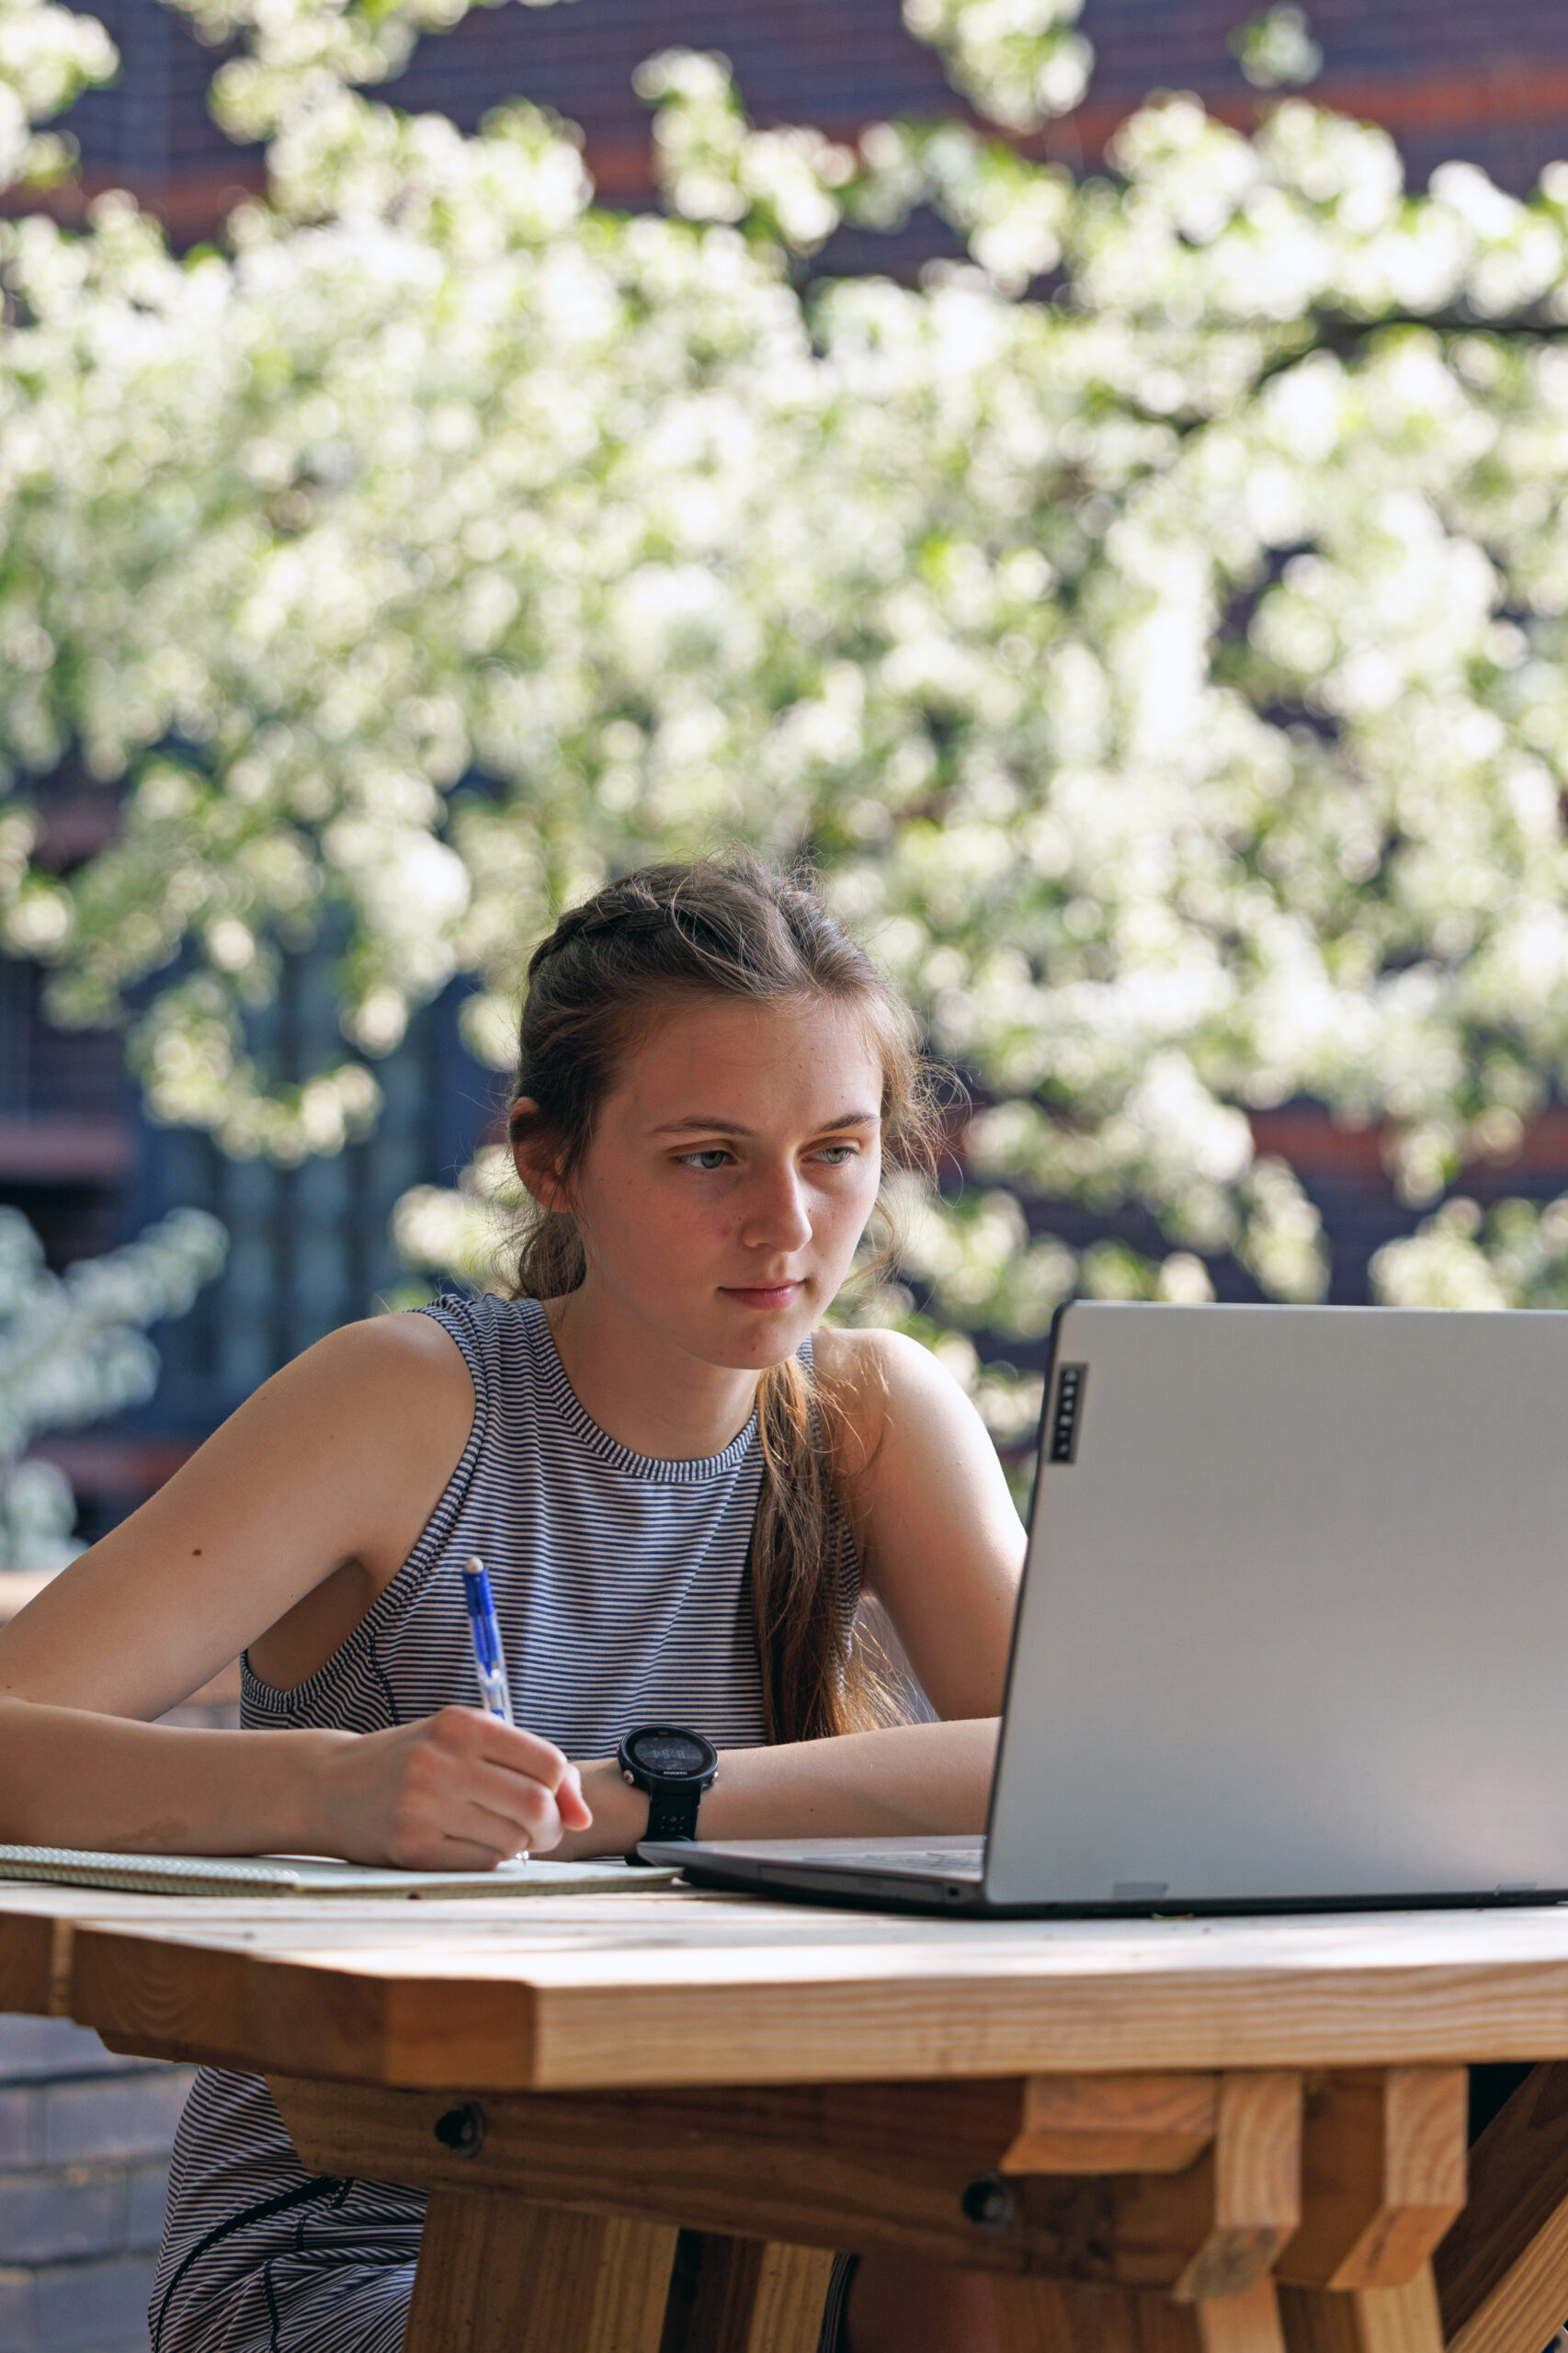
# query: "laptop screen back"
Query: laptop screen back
{"points": [[1295, 1619]]}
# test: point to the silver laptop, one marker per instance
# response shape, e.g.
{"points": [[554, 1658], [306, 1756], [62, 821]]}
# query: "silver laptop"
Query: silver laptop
{"points": [[1293, 1632]]}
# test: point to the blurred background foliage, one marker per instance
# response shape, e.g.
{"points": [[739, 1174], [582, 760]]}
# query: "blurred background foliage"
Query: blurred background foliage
{"points": [[1152, 622], [74, 1349]]}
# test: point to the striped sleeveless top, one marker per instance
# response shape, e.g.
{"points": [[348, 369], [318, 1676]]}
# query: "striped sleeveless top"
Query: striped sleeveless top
{"points": [[622, 1591]]}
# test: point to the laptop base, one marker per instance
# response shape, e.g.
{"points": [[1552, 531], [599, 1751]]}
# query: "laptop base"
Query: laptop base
{"points": [[865, 1887]]}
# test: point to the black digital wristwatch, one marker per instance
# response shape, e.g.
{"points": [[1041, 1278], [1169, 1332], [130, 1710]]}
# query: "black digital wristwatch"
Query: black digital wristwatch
{"points": [[674, 1766]]}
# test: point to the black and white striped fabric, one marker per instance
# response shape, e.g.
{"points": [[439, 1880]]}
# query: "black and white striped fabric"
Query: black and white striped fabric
{"points": [[621, 1584]]}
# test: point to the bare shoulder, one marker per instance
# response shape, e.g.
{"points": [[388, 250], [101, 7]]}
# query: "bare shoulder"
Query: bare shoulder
{"points": [[869, 1359], [393, 1390], [886, 1387], [407, 1357], [327, 1473], [405, 1347]]}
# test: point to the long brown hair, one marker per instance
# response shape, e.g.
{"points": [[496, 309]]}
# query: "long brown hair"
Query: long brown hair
{"points": [[730, 927]]}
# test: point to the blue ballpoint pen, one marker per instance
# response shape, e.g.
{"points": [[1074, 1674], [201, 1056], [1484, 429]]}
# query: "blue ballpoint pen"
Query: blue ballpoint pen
{"points": [[487, 1652]]}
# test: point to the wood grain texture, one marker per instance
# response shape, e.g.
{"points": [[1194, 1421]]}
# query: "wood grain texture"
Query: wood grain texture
{"points": [[963, 2128], [1383, 2174], [791, 2292], [730, 2295], [497, 2275], [1082, 2124], [37, 1934], [1258, 2184], [786, 2164], [1502, 2272], [1315, 2320], [165, 1998], [1245, 2324], [1405, 2319], [26, 1951], [603, 1992]]}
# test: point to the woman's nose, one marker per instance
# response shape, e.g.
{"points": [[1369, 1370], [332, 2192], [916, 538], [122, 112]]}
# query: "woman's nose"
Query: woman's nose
{"points": [[779, 1217]]}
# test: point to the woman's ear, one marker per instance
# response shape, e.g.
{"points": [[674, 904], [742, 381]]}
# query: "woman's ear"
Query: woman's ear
{"points": [[531, 1154]]}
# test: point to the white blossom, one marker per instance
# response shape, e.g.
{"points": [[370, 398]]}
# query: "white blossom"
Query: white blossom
{"points": [[47, 55], [73, 1347], [1016, 59], [1167, 669]]}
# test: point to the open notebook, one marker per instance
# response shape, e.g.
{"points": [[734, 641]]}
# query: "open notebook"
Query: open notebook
{"points": [[311, 1875]]}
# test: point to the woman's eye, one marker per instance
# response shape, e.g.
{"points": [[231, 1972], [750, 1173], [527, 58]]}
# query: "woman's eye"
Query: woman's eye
{"points": [[711, 1156], [836, 1154]]}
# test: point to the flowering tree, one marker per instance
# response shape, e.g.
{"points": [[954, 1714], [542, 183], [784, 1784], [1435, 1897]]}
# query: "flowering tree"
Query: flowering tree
{"points": [[73, 1349], [1154, 624], [46, 56]]}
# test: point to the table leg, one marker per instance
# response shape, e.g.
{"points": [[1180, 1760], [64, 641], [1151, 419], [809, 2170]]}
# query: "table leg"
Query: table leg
{"points": [[731, 2295], [1503, 2269], [1364, 2320], [500, 2275]]}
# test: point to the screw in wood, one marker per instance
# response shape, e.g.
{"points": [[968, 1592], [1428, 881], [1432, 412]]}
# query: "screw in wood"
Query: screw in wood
{"points": [[989, 2204], [461, 2129]]}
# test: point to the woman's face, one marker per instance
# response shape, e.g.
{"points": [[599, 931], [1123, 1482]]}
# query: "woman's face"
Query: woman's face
{"points": [[732, 1173]]}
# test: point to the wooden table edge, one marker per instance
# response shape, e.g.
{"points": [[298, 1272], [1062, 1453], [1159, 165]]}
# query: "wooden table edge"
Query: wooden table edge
{"points": [[345, 2017]]}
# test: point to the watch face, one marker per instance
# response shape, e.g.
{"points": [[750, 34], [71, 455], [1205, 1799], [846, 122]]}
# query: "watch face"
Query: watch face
{"points": [[677, 1754]]}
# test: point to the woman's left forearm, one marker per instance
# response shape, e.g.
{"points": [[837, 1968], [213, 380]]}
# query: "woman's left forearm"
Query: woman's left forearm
{"points": [[907, 1782]]}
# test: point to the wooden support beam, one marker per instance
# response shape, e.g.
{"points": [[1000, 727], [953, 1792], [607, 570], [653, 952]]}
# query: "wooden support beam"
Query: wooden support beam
{"points": [[1383, 2174], [902, 2167], [35, 1964], [1245, 2324], [730, 2295], [1502, 2271], [1084, 2124], [498, 2275], [1405, 2319], [1257, 2185]]}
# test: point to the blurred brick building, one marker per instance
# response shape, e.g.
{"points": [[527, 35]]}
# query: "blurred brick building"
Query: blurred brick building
{"points": [[1448, 79], [310, 1245]]}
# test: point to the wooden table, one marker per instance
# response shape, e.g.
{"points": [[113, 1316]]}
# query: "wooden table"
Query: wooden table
{"points": [[647, 2121]]}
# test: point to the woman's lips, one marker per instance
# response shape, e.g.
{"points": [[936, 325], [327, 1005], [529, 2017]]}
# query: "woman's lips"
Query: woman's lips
{"points": [[765, 1295]]}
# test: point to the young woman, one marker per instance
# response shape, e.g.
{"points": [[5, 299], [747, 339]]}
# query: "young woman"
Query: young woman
{"points": [[681, 1482]]}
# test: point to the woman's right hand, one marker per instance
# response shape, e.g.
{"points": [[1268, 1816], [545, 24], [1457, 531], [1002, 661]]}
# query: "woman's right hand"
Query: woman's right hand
{"points": [[457, 1791]]}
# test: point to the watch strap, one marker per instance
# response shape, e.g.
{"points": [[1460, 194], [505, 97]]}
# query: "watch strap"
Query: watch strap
{"points": [[672, 1810]]}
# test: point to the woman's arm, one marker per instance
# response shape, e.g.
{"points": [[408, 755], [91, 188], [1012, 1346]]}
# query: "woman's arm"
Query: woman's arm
{"points": [[941, 1548], [458, 1790], [934, 1779], [940, 1542], [288, 1523]]}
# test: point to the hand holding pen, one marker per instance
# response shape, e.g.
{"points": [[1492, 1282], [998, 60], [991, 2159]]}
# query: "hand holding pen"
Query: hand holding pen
{"points": [[461, 1789]]}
